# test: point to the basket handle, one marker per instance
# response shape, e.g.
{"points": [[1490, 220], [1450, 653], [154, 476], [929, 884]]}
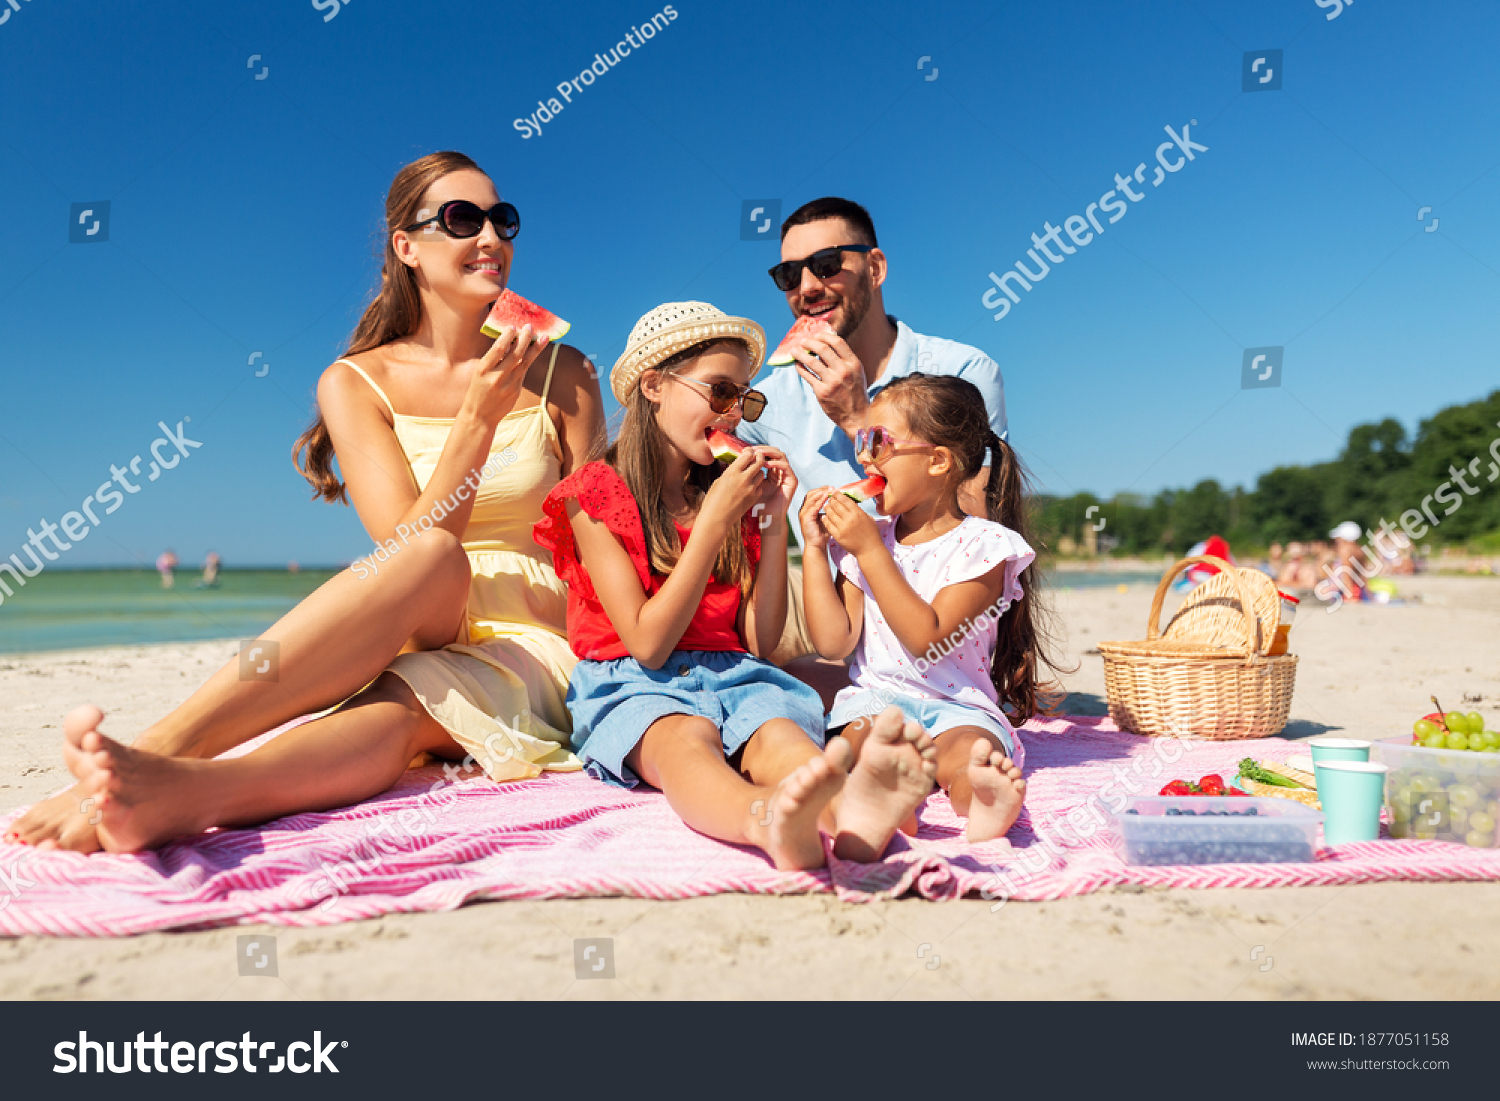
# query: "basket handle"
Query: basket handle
{"points": [[1153, 625]]}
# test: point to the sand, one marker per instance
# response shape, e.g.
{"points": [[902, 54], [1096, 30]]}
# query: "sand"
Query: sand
{"points": [[1366, 671]]}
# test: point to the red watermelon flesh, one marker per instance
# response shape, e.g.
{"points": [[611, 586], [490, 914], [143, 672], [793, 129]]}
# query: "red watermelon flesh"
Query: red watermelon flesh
{"points": [[806, 324], [724, 446], [511, 311], [866, 490]]}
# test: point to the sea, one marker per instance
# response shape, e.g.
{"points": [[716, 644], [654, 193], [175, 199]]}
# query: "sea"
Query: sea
{"points": [[83, 609]]}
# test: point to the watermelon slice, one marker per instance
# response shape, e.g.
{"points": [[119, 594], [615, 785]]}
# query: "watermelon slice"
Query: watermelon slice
{"points": [[866, 490], [511, 311], [724, 446], [806, 324]]}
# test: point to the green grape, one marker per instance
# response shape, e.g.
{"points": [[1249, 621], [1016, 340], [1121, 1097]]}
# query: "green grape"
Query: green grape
{"points": [[1481, 822], [1425, 728], [1456, 722], [1436, 740], [1400, 828], [1476, 840], [1476, 722], [1489, 737], [1490, 747], [1456, 740], [1462, 795]]}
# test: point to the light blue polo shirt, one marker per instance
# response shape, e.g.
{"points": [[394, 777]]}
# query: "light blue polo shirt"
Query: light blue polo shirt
{"points": [[819, 451]]}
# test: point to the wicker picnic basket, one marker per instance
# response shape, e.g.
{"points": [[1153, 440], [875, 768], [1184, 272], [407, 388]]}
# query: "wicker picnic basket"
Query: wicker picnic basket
{"points": [[1207, 675]]}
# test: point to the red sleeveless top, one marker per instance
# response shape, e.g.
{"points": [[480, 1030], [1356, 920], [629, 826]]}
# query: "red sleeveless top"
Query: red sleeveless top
{"points": [[603, 494]]}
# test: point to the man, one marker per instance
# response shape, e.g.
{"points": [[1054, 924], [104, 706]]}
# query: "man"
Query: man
{"points": [[832, 266]]}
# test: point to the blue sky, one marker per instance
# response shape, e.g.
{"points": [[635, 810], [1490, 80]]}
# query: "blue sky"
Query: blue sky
{"points": [[244, 216]]}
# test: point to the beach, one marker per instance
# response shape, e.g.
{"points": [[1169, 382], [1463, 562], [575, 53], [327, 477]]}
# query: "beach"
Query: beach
{"points": [[1366, 671]]}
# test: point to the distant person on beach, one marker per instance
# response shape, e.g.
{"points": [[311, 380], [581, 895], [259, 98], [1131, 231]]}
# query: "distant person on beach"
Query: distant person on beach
{"points": [[210, 570], [832, 267], [166, 562], [455, 646]]}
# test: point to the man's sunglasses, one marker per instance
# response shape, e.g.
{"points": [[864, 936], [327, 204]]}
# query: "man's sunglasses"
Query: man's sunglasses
{"points": [[880, 443], [461, 218], [724, 396], [825, 263]]}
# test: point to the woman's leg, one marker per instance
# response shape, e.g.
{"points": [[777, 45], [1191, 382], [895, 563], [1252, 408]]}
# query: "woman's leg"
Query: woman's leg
{"points": [[683, 756], [982, 782], [331, 644], [143, 800]]}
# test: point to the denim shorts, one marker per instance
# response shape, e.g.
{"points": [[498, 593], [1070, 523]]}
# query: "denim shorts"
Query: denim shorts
{"points": [[614, 702], [934, 716]]}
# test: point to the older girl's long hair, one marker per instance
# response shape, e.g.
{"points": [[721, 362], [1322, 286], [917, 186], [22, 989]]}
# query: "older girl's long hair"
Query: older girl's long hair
{"points": [[636, 456], [947, 411], [395, 312]]}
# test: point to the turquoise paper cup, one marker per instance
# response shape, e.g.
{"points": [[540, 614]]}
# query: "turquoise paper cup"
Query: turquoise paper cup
{"points": [[1352, 793], [1339, 749]]}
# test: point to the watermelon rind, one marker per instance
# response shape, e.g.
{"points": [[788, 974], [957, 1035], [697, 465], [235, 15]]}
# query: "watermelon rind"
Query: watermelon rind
{"points": [[512, 311], [722, 442], [855, 491]]}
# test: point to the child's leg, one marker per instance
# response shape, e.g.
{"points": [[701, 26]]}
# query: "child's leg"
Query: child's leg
{"points": [[893, 774], [982, 782], [145, 799], [793, 781]]}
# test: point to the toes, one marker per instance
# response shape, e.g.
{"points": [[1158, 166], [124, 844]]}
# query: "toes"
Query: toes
{"points": [[839, 754], [979, 753], [889, 726], [80, 721]]}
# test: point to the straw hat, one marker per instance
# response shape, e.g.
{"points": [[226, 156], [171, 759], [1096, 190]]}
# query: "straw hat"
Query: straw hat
{"points": [[669, 329]]}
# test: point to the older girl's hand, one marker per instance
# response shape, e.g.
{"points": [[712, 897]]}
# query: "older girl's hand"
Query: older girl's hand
{"points": [[736, 490]]}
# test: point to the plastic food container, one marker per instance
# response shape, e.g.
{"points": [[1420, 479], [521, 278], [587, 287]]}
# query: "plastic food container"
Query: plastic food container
{"points": [[1283, 629], [1205, 830], [1441, 794]]}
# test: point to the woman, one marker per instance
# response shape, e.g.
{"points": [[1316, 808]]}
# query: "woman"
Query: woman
{"points": [[453, 482]]}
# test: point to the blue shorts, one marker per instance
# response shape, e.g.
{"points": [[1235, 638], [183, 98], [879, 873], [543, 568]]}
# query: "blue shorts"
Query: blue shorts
{"points": [[614, 702], [934, 716]]}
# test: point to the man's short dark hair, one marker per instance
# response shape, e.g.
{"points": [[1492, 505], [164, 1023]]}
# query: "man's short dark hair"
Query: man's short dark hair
{"points": [[830, 207]]}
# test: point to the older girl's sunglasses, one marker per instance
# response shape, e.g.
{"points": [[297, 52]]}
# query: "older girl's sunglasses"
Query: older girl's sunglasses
{"points": [[724, 396], [461, 218], [825, 263]]}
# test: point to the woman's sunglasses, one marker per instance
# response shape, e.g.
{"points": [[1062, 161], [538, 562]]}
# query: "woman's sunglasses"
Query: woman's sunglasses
{"points": [[724, 396], [825, 263], [461, 218], [880, 443]]}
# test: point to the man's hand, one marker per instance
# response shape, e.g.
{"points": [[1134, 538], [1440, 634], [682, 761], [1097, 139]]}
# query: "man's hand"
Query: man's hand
{"points": [[851, 526], [837, 378]]}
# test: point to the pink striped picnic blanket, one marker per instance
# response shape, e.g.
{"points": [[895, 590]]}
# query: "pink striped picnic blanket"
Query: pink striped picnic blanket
{"points": [[435, 844]]}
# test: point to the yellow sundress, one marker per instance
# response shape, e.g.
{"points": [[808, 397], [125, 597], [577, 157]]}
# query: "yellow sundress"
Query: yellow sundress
{"points": [[501, 694]]}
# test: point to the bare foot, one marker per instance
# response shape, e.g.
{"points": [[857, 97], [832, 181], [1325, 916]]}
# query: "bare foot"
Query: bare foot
{"points": [[998, 793], [67, 820], [141, 800], [895, 771], [786, 824]]}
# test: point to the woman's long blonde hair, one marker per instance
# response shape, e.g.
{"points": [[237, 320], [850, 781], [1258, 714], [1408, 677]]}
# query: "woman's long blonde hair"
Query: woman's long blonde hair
{"points": [[636, 456], [395, 312]]}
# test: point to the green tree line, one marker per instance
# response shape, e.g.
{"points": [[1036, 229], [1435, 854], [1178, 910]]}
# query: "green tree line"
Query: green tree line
{"points": [[1380, 473]]}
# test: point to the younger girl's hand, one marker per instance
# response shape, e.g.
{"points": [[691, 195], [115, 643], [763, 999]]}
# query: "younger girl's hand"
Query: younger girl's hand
{"points": [[814, 531], [736, 490], [495, 387], [850, 525]]}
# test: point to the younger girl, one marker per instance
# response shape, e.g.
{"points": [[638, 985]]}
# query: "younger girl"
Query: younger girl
{"points": [[924, 594], [676, 572]]}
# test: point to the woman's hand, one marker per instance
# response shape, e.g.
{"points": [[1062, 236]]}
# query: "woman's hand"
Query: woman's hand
{"points": [[814, 531], [851, 526], [735, 491], [496, 385]]}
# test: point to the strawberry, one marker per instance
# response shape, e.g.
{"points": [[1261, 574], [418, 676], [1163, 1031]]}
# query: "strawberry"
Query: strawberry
{"points": [[1179, 787], [1211, 785], [1237, 791]]}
